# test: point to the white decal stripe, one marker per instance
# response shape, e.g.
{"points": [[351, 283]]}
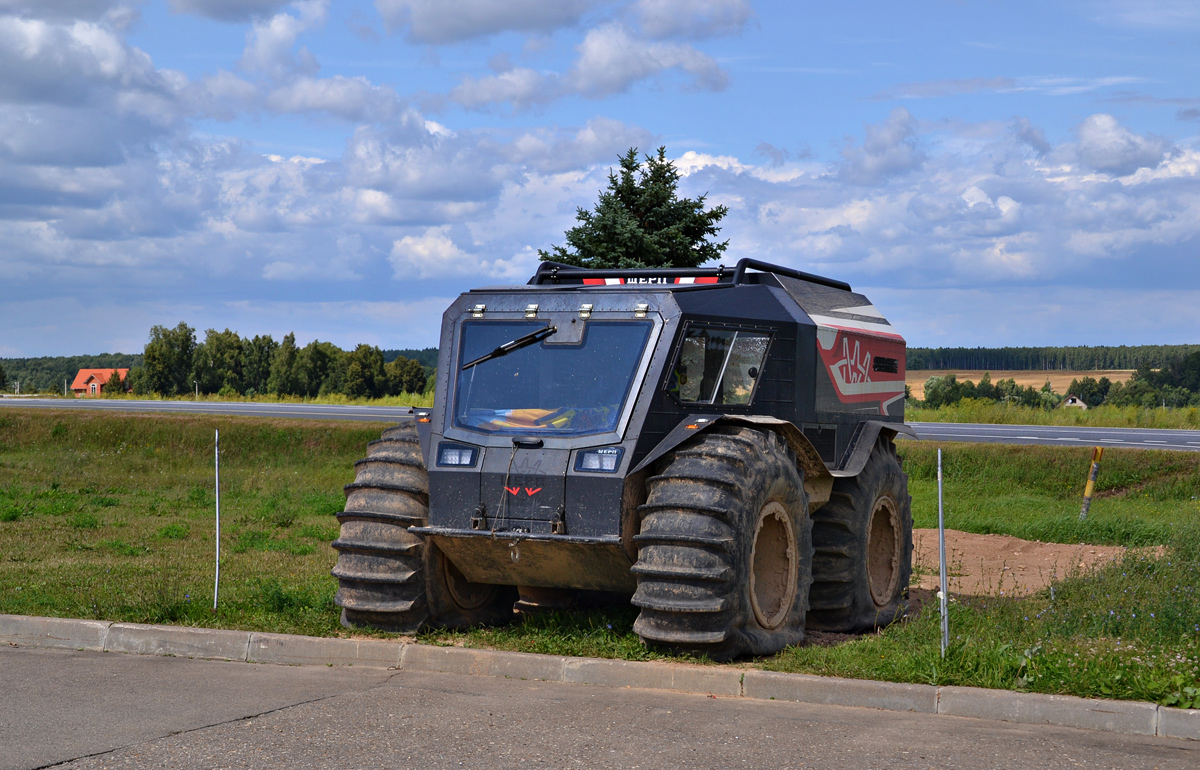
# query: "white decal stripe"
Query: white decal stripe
{"points": [[688, 279], [613, 281], [863, 388], [867, 310], [885, 330]]}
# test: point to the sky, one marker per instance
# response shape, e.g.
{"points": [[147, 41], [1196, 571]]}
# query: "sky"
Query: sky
{"points": [[988, 173]]}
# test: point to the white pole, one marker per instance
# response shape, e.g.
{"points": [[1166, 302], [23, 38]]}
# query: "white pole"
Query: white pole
{"points": [[217, 467], [942, 595]]}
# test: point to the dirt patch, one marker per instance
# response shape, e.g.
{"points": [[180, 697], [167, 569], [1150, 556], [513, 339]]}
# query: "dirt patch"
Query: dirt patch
{"points": [[1059, 380], [992, 564]]}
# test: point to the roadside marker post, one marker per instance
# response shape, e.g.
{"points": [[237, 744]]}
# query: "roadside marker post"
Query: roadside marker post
{"points": [[217, 469], [945, 585], [1097, 453]]}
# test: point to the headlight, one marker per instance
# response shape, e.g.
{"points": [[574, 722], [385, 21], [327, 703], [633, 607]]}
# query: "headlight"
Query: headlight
{"points": [[456, 454], [603, 460]]}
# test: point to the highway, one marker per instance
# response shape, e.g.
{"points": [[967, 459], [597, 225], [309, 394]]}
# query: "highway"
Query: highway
{"points": [[1047, 435], [1054, 435]]}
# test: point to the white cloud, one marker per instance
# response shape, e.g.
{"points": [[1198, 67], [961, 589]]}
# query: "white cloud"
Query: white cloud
{"points": [[269, 43], [889, 148], [355, 99], [59, 10], [693, 19], [1149, 14], [611, 60], [1105, 145], [228, 10], [46, 62], [434, 254], [520, 87], [450, 21]]}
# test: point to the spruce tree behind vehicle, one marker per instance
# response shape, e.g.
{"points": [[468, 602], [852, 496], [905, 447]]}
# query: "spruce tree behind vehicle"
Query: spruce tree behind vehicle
{"points": [[640, 221]]}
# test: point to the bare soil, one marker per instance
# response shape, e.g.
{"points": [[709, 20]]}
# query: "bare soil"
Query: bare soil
{"points": [[993, 564], [1059, 380]]}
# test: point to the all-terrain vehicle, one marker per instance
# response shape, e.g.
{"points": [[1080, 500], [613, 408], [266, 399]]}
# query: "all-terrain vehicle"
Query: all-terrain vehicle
{"points": [[715, 444]]}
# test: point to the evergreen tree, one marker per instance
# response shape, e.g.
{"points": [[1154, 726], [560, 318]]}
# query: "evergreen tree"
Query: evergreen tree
{"points": [[3, 379], [115, 386], [640, 221]]}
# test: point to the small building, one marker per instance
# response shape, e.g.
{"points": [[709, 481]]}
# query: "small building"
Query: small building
{"points": [[89, 383], [1074, 401]]}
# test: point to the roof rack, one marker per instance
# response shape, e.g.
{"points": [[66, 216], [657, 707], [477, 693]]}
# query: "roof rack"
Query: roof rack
{"points": [[554, 272]]}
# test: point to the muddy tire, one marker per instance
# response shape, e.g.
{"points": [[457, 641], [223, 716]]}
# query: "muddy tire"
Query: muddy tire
{"points": [[725, 547], [863, 542], [388, 578]]}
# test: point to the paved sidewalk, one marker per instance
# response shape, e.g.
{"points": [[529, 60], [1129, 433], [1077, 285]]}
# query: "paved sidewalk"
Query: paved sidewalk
{"points": [[1124, 717], [93, 710]]}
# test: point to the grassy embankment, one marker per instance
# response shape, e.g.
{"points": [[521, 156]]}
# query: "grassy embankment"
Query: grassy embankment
{"points": [[111, 516], [988, 412]]}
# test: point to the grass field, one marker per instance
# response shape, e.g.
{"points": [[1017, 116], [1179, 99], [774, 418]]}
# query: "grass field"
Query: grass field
{"points": [[971, 410], [1059, 380], [111, 516]]}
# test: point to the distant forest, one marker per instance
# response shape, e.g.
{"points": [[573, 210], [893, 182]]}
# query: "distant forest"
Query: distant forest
{"points": [[46, 374], [1081, 358]]}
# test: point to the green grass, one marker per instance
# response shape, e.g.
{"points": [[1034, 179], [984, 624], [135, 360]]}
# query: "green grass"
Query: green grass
{"points": [[992, 413], [111, 516], [1035, 492]]}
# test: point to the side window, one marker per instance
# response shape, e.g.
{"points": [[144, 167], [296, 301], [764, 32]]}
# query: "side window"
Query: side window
{"points": [[718, 366]]}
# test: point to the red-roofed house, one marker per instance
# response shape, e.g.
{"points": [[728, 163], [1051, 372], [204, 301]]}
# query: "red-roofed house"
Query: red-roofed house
{"points": [[90, 382]]}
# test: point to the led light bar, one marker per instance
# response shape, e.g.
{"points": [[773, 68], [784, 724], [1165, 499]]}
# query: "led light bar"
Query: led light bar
{"points": [[603, 460], [457, 455]]}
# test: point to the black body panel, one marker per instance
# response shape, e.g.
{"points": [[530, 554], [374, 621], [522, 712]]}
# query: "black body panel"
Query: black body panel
{"points": [[819, 339]]}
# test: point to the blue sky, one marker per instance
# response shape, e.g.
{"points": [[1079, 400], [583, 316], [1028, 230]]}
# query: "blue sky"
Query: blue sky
{"points": [[988, 173]]}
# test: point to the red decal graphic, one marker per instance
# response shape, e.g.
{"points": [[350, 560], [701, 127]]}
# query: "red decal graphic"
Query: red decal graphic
{"points": [[532, 492], [850, 362], [513, 490]]}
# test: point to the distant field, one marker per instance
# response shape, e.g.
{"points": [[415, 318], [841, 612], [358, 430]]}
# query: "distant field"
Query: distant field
{"points": [[1059, 380]]}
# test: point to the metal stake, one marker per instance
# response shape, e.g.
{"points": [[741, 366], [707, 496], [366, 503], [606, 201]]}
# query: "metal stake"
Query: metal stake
{"points": [[217, 467], [942, 595], [1097, 453]]}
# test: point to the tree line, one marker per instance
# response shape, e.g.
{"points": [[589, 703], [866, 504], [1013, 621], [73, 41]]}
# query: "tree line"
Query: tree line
{"points": [[1080, 357], [1174, 384], [175, 363], [46, 374]]}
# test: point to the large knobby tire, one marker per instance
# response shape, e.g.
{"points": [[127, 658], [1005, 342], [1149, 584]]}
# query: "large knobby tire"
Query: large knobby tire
{"points": [[388, 578], [725, 547], [863, 541]]}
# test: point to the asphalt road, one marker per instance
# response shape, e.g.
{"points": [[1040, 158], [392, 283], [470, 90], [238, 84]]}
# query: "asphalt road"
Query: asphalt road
{"points": [[245, 409], [101, 710], [1128, 438]]}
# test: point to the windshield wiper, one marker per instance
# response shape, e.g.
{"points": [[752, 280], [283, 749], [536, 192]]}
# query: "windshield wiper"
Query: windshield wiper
{"points": [[517, 344]]}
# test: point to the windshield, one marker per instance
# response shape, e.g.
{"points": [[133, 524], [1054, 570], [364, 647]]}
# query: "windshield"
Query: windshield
{"points": [[547, 388]]}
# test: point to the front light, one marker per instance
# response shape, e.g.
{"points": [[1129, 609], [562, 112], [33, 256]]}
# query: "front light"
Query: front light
{"points": [[456, 454], [603, 460]]}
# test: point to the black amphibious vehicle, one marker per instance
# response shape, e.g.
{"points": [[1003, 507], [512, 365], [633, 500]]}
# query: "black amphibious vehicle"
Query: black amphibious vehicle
{"points": [[716, 444]]}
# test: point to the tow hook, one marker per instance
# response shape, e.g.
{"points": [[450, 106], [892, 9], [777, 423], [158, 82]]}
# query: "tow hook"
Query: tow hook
{"points": [[479, 520], [559, 525]]}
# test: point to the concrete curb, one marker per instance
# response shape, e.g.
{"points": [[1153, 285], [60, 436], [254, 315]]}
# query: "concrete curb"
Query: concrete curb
{"points": [[1128, 717]]}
